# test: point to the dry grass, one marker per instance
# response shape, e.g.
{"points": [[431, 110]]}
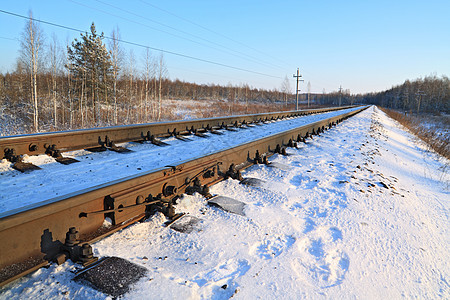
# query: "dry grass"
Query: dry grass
{"points": [[435, 136], [196, 109], [11, 122]]}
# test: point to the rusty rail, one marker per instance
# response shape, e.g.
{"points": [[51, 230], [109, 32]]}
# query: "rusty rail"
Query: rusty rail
{"points": [[42, 143], [33, 235]]}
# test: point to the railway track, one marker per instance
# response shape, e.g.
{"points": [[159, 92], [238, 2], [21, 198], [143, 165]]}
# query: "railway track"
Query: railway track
{"points": [[99, 139], [52, 230]]}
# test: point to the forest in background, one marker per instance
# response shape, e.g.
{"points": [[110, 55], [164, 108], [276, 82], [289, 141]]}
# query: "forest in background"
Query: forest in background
{"points": [[430, 94], [90, 83]]}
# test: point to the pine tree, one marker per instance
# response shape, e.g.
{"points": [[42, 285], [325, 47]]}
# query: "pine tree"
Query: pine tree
{"points": [[91, 66]]}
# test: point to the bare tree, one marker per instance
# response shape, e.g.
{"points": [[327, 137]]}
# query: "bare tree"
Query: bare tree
{"points": [[309, 91], [131, 70], [147, 74], [69, 86], [116, 60], [31, 45], [162, 74], [55, 70], [285, 88], [323, 95], [246, 88]]}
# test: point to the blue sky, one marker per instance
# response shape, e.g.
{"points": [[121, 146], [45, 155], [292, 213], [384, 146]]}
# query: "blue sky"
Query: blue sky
{"points": [[364, 46]]}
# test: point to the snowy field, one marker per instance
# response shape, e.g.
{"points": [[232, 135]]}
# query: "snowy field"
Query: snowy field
{"points": [[94, 169], [361, 212]]}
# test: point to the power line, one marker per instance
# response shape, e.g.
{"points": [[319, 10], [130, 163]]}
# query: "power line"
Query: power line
{"points": [[212, 31], [242, 81], [136, 22], [143, 46], [222, 47], [6, 38], [325, 84]]}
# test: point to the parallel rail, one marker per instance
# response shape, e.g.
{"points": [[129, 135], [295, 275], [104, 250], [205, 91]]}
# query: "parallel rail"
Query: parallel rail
{"points": [[33, 235], [40, 143]]}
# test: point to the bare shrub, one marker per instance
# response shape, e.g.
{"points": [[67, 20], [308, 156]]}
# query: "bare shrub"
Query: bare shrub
{"points": [[437, 140]]}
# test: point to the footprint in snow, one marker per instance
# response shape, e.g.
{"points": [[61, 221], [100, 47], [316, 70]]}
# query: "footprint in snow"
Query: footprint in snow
{"points": [[317, 212], [264, 184], [305, 182], [271, 246], [219, 282], [321, 261], [309, 225]]}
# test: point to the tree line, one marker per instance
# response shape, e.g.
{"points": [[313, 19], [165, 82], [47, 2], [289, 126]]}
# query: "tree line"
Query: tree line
{"points": [[430, 94]]}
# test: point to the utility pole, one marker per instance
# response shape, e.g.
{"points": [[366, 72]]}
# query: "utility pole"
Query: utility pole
{"points": [[297, 90], [419, 95], [340, 94]]}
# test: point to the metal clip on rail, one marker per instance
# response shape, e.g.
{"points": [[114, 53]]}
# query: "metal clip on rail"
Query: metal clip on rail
{"points": [[110, 145], [197, 187], [18, 164], [260, 159], [292, 144], [52, 151], [152, 139], [74, 250], [233, 173], [280, 150]]}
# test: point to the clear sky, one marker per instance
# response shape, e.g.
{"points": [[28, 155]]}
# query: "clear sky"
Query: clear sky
{"points": [[362, 45]]}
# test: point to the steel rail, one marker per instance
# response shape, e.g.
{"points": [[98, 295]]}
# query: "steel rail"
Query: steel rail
{"points": [[42, 143], [34, 235]]}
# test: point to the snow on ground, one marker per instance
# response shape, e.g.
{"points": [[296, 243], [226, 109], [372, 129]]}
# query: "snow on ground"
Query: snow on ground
{"points": [[360, 212], [56, 180], [188, 109]]}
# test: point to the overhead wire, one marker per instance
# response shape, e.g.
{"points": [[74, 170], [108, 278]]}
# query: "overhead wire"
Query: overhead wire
{"points": [[214, 32], [7, 38], [239, 53], [135, 22], [226, 37], [214, 75], [143, 46], [311, 79]]}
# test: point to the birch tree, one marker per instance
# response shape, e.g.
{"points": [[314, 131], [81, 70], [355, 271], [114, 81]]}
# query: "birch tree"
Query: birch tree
{"points": [[69, 87], [162, 74], [55, 60], [116, 61], [31, 45], [131, 93], [285, 88], [147, 75]]}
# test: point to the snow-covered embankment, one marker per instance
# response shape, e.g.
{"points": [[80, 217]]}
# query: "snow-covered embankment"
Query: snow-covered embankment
{"points": [[360, 212]]}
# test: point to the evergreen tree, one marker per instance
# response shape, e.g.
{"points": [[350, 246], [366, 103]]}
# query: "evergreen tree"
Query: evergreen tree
{"points": [[91, 67]]}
